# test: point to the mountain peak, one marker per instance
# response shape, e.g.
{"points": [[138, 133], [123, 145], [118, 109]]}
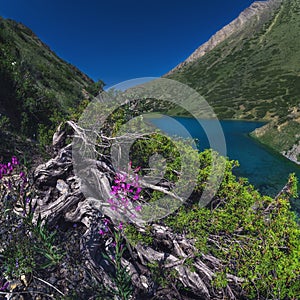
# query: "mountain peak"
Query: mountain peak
{"points": [[255, 15]]}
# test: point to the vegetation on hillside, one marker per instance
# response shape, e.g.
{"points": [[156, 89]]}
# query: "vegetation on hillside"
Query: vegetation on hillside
{"points": [[253, 240], [256, 237], [255, 76], [243, 245], [37, 89]]}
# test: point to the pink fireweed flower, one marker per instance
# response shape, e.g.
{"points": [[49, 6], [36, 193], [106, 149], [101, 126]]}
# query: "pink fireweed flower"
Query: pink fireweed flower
{"points": [[105, 222], [136, 169], [114, 207], [138, 208], [14, 160], [128, 188], [111, 201], [23, 176], [120, 227], [124, 190], [136, 197], [120, 178], [137, 194], [104, 230], [9, 167], [114, 190]]}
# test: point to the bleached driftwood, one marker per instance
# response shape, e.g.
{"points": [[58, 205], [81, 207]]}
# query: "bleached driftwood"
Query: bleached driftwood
{"points": [[61, 194]]}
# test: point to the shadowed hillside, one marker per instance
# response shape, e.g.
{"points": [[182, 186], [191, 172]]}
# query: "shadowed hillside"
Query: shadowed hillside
{"points": [[37, 88]]}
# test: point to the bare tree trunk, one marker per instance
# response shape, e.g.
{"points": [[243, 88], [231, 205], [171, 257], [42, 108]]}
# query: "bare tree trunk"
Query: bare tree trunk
{"points": [[60, 194]]}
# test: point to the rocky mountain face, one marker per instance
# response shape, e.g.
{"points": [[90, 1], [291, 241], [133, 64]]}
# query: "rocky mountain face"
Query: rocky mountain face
{"points": [[250, 70], [254, 16]]}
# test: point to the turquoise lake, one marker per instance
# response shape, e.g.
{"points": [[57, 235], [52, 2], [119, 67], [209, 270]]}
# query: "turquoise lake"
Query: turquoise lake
{"points": [[265, 169]]}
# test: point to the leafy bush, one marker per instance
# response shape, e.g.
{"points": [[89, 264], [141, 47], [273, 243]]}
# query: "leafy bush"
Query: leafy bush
{"points": [[256, 236]]}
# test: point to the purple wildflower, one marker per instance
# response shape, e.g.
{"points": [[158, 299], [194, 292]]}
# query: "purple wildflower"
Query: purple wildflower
{"points": [[14, 160], [9, 167], [111, 201], [105, 221], [124, 190], [4, 286], [9, 185], [120, 227], [138, 208], [22, 175], [136, 169]]}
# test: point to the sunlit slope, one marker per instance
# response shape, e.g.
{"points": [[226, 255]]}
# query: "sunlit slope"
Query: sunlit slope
{"points": [[255, 76]]}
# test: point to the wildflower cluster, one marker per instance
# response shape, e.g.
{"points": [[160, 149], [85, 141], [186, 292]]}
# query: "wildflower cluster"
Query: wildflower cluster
{"points": [[26, 244], [105, 229], [6, 169], [6, 172], [14, 185], [126, 192]]}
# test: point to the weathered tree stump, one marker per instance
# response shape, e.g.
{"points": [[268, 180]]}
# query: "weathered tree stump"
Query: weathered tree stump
{"points": [[61, 194]]}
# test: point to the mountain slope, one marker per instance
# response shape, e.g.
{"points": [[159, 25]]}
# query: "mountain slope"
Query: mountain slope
{"points": [[254, 73], [248, 22], [37, 88]]}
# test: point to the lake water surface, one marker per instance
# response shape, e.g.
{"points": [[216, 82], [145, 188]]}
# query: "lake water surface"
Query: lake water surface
{"points": [[266, 170]]}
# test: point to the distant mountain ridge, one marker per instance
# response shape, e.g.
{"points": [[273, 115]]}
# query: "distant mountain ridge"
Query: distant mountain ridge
{"points": [[261, 11], [252, 72]]}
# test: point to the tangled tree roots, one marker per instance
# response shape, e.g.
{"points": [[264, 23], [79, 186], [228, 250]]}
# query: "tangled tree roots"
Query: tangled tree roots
{"points": [[60, 194]]}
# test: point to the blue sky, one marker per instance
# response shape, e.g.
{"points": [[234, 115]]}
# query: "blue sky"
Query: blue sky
{"points": [[116, 40]]}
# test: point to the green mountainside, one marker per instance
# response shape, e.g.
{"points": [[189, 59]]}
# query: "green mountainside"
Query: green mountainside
{"points": [[37, 88], [254, 74], [81, 227]]}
